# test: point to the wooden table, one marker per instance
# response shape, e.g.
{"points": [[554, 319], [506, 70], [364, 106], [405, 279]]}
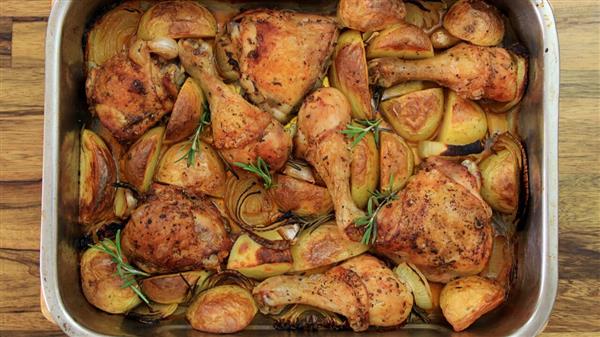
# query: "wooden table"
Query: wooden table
{"points": [[22, 30]]}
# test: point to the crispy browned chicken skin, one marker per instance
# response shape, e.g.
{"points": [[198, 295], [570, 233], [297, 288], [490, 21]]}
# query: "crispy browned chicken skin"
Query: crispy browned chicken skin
{"points": [[129, 97], [241, 131], [440, 223], [280, 55], [172, 232], [473, 72]]}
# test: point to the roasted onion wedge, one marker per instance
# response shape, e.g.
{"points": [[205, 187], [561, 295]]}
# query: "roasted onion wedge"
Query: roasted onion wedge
{"points": [[177, 19], [172, 288], [428, 149], [410, 275]]}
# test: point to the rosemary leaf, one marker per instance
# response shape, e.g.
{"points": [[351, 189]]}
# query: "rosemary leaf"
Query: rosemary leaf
{"points": [[376, 202], [190, 155], [261, 169], [358, 132]]}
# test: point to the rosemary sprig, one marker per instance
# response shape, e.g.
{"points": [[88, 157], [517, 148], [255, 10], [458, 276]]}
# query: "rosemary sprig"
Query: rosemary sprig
{"points": [[190, 155], [376, 201], [358, 132], [261, 169], [126, 272]]}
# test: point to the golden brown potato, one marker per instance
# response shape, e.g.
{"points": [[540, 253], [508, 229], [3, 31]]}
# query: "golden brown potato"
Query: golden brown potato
{"points": [[501, 174], [177, 19], [97, 175], [222, 309], [415, 116], [348, 73], [171, 221], [464, 121], [400, 40], [256, 261], [113, 32], [426, 15], [396, 161], [102, 287], [206, 175], [442, 39], [475, 21], [370, 15], [500, 107], [172, 288], [406, 88], [141, 159], [301, 197], [323, 246], [466, 299], [364, 170], [186, 114]]}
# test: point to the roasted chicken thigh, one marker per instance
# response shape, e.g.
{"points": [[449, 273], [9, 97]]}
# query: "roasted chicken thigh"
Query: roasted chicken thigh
{"points": [[280, 55], [172, 232], [440, 223], [241, 131]]}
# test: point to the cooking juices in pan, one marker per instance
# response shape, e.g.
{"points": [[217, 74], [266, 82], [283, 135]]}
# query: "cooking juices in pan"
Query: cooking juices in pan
{"points": [[347, 169]]}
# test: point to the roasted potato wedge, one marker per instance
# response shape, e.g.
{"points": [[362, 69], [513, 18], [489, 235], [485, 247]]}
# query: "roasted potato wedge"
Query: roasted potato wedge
{"points": [[364, 170], [301, 197], [466, 299], [406, 88], [370, 15], [113, 32], [177, 19], [205, 176], [172, 288], [475, 21], [400, 40], [415, 116], [323, 246], [101, 284], [256, 261], [396, 162], [348, 73], [187, 112], [222, 309], [464, 121], [140, 161], [97, 176], [442, 39]]}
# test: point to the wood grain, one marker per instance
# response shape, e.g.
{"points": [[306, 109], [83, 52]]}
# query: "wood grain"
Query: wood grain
{"points": [[22, 33]]}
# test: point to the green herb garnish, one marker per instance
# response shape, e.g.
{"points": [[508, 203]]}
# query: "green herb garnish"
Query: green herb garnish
{"points": [[358, 132], [126, 272], [261, 169], [190, 155], [376, 201]]}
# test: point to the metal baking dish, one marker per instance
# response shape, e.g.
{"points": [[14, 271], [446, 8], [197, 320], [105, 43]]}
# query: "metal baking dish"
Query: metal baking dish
{"points": [[530, 301]]}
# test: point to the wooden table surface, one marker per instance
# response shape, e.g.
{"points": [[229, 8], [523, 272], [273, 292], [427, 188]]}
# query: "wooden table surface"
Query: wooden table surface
{"points": [[22, 30]]}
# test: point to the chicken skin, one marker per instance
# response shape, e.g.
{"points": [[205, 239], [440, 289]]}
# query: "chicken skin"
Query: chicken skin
{"points": [[280, 55], [473, 72], [439, 222], [242, 132], [322, 117], [172, 232], [130, 95], [361, 289]]}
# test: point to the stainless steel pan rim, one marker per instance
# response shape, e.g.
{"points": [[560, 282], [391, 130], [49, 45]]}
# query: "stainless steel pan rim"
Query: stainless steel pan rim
{"points": [[549, 180]]}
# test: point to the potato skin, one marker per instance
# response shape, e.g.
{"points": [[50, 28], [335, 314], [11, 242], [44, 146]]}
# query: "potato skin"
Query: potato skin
{"points": [[464, 121], [186, 114], [400, 40], [475, 21], [172, 232], [396, 160], [370, 15], [98, 173], [364, 170], [256, 261], [466, 299], [140, 161], [301, 197], [206, 175], [415, 116], [223, 309], [177, 19], [102, 287]]}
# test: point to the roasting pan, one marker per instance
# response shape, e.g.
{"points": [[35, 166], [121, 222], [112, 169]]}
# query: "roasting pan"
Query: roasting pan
{"points": [[530, 302]]}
